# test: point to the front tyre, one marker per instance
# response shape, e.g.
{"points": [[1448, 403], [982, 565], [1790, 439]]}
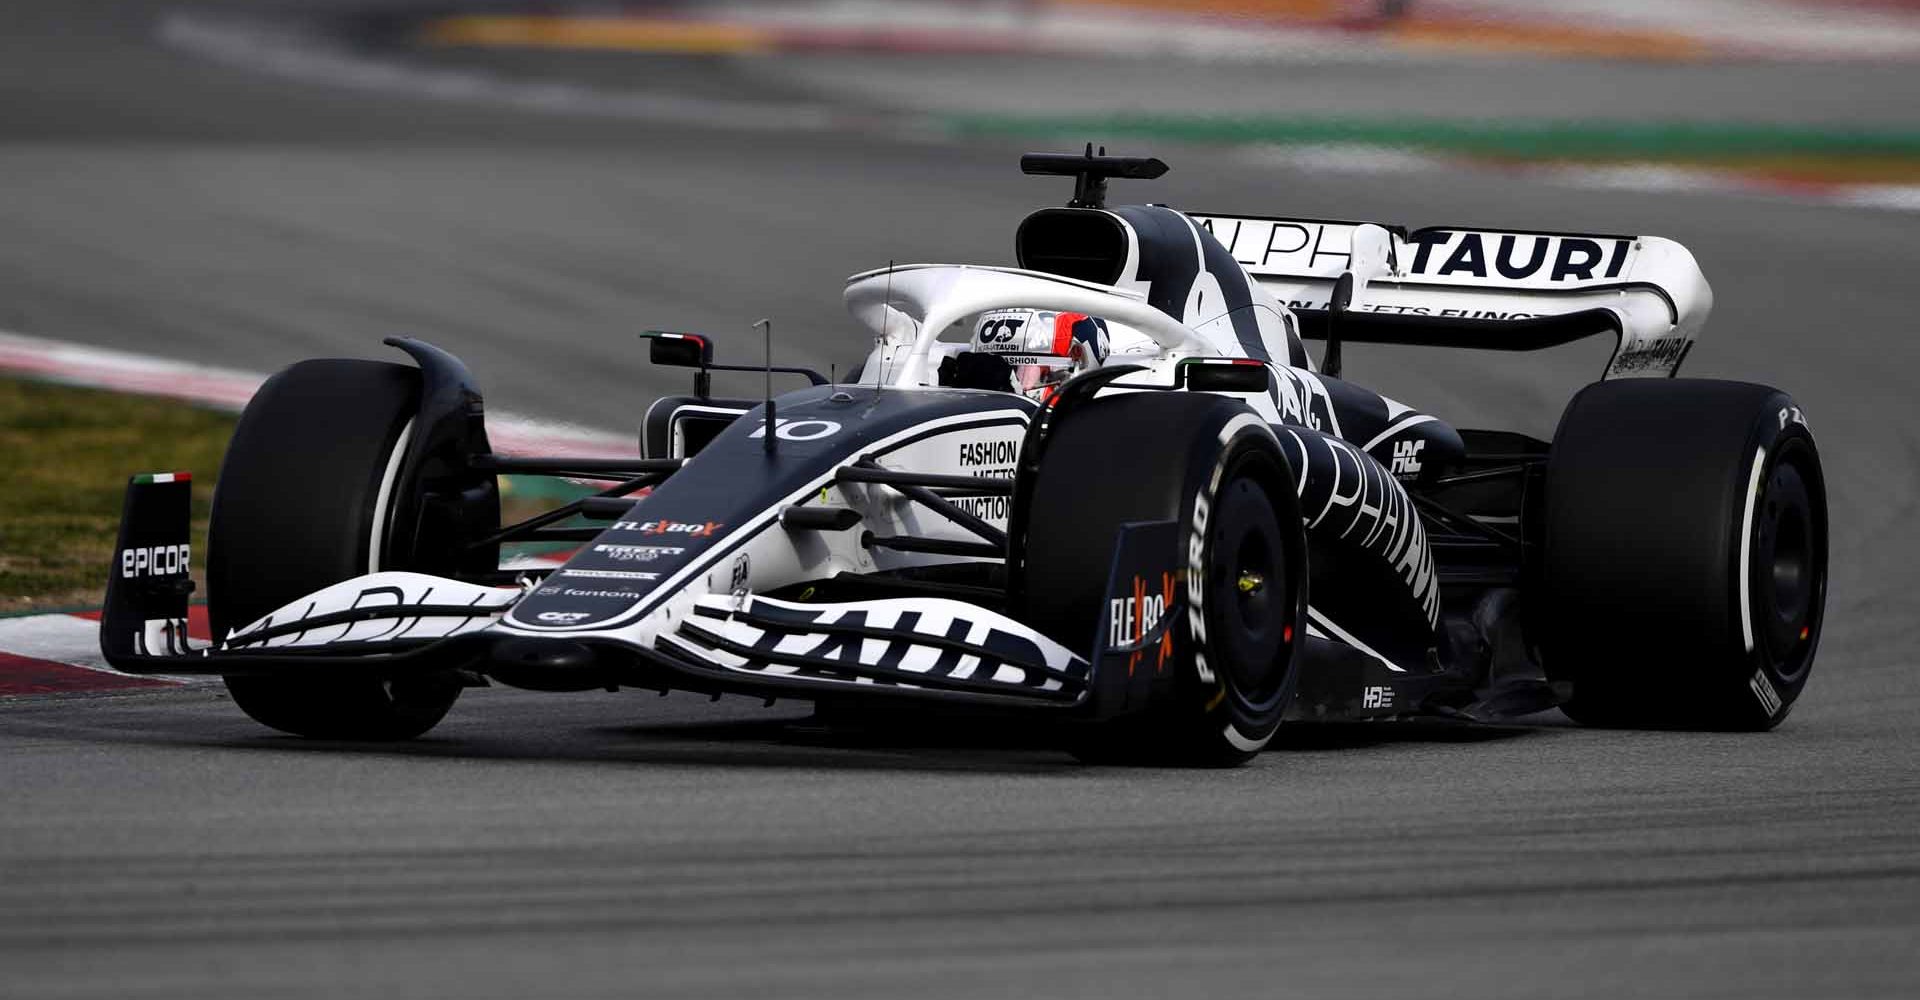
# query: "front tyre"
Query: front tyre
{"points": [[304, 499], [1213, 467], [1685, 566]]}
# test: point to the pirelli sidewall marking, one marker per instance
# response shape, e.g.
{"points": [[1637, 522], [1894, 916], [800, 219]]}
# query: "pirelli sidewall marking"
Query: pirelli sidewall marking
{"points": [[1197, 538]]}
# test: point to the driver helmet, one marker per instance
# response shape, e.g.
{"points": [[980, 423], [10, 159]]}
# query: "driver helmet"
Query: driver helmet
{"points": [[1041, 347]]}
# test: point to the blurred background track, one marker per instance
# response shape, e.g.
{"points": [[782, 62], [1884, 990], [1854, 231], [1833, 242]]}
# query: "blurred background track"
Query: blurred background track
{"points": [[164, 190]]}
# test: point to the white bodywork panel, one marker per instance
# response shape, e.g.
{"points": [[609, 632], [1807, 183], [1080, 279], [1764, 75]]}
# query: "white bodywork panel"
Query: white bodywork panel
{"points": [[391, 588], [935, 618], [1652, 286], [907, 308], [1652, 289], [762, 555]]}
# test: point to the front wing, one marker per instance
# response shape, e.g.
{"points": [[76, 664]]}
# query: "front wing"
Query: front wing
{"points": [[393, 622], [924, 649]]}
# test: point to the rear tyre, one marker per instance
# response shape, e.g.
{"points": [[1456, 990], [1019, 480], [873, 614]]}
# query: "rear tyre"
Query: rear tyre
{"points": [[1214, 468], [302, 503], [1685, 565]]}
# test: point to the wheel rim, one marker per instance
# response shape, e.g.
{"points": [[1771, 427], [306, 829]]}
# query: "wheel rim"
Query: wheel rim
{"points": [[1249, 590], [1255, 577], [1789, 572]]}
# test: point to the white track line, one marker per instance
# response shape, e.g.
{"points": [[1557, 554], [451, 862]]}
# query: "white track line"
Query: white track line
{"points": [[230, 388]]}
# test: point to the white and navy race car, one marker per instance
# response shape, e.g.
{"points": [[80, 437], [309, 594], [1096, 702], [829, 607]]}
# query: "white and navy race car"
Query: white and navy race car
{"points": [[1108, 489]]}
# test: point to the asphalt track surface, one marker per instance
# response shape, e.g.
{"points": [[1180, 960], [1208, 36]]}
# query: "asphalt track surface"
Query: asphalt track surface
{"points": [[161, 844]]}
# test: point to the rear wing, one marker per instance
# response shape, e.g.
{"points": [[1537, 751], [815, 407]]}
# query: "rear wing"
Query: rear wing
{"points": [[1480, 288]]}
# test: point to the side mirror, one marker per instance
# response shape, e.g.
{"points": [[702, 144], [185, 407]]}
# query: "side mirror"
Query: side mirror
{"points": [[691, 350], [679, 350], [1223, 375]]}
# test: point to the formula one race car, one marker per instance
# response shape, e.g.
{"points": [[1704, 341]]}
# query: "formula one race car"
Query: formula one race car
{"points": [[1108, 489]]}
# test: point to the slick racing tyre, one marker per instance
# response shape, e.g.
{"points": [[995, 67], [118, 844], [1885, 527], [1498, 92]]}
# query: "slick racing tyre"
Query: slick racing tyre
{"points": [[1213, 467], [1685, 567], [302, 503]]}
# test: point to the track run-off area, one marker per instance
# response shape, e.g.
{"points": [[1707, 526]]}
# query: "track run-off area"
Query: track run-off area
{"points": [[165, 199]]}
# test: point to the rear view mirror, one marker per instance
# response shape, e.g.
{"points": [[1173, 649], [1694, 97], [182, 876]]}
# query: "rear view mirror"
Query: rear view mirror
{"points": [[1224, 375], [679, 350]]}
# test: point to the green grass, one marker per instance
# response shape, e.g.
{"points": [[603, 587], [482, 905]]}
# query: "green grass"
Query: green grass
{"points": [[68, 454], [1521, 139]]}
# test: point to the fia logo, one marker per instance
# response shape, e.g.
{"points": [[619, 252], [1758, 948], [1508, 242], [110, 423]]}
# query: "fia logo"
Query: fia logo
{"points": [[742, 574], [1406, 457], [1376, 697]]}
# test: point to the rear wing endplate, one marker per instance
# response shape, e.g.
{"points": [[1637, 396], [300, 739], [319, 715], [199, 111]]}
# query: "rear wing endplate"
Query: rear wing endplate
{"points": [[1480, 288]]}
